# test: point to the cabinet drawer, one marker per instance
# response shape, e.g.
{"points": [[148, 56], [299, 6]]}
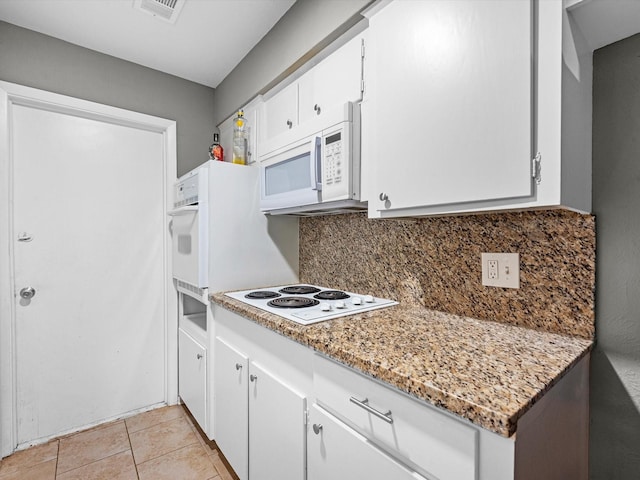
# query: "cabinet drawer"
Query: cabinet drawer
{"points": [[336, 451], [429, 440]]}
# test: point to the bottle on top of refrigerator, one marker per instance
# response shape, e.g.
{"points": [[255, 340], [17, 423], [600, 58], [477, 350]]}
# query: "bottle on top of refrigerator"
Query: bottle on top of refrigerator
{"points": [[216, 152], [239, 139]]}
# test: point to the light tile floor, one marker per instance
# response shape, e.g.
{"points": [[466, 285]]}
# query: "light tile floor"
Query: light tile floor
{"points": [[156, 445]]}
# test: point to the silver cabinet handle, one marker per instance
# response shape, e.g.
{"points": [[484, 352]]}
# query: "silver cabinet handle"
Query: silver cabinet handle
{"points": [[365, 404], [316, 108], [24, 237], [28, 293], [199, 356], [238, 366], [383, 197], [317, 427], [253, 378], [289, 123]]}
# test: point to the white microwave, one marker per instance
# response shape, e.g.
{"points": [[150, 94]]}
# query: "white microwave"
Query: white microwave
{"points": [[318, 173]]}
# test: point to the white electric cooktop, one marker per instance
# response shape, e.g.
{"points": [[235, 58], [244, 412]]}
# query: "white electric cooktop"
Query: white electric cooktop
{"points": [[307, 304]]}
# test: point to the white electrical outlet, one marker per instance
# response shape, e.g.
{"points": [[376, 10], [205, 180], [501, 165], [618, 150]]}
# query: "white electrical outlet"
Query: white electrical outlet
{"points": [[501, 270]]}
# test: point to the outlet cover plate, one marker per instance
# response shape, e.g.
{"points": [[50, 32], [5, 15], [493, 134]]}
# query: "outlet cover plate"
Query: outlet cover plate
{"points": [[508, 270]]}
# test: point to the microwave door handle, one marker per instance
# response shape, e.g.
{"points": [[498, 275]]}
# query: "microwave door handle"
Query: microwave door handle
{"points": [[317, 164], [183, 210]]}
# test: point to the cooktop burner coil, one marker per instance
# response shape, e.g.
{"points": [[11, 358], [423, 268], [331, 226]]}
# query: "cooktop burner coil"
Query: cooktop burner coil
{"points": [[262, 294], [292, 302], [299, 290], [331, 295]]}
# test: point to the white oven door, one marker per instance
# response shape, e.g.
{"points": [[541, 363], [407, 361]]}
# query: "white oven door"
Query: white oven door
{"points": [[189, 253], [292, 176]]}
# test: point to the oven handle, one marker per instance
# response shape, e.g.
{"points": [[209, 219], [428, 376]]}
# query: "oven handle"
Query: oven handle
{"points": [[183, 210], [317, 164]]}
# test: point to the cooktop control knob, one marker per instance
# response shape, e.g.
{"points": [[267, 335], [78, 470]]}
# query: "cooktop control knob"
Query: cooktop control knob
{"points": [[368, 299], [340, 304], [357, 301], [325, 307]]}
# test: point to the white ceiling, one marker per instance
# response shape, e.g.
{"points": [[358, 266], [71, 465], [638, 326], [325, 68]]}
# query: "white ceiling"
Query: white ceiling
{"points": [[208, 40], [210, 37]]}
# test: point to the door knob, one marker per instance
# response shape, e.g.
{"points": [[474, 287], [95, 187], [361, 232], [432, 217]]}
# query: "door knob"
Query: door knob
{"points": [[27, 293], [316, 428], [253, 378]]}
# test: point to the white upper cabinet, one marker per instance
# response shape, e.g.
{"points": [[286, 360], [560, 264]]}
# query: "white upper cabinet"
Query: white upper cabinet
{"points": [[450, 99], [332, 82], [281, 111], [460, 97], [331, 79]]}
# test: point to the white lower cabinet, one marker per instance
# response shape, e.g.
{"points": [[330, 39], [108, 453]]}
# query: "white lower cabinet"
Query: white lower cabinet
{"points": [[232, 405], [261, 382], [192, 376], [336, 451], [284, 412], [260, 419], [430, 441], [277, 427]]}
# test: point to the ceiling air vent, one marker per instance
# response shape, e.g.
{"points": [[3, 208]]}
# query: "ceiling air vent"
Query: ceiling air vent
{"points": [[167, 10]]}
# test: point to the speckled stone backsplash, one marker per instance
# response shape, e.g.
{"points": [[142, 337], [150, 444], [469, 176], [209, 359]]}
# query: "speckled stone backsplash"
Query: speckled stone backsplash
{"points": [[435, 263]]}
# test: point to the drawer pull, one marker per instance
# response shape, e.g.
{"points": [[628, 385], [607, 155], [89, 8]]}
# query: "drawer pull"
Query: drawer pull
{"points": [[365, 404], [316, 428], [238, 366]]}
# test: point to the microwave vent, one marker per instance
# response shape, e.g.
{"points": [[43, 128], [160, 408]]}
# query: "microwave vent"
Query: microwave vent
{"points": [[166, 10]]}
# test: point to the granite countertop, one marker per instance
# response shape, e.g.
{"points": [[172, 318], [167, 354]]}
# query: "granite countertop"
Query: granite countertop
{"points": [[487, 372]]}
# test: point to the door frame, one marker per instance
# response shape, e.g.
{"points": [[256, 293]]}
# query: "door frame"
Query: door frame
{"points": [[13, 94]]}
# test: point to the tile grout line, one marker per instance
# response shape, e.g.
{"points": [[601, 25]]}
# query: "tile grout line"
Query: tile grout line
{"points": [[182, 416], [135, 465], [87, 464], [166, 453], [55, 475]]}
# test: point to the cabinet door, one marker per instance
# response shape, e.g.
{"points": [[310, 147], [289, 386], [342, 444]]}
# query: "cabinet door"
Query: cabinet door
{"points": [[231, 407], [280, 112], [334, 81], [451, 102], [339, 452], [277, 428], [192, 377]]}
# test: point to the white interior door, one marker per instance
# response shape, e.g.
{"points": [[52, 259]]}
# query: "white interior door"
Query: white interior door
{"points": [[89, 205]]}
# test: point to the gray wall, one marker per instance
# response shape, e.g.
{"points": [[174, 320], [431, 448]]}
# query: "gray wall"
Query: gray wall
{"points": [[306, 28], [43, 62], [615, 372]]}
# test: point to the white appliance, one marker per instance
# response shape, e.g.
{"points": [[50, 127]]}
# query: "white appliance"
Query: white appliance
{"points": [[307, 304], [221, 241], [318, 170]]}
